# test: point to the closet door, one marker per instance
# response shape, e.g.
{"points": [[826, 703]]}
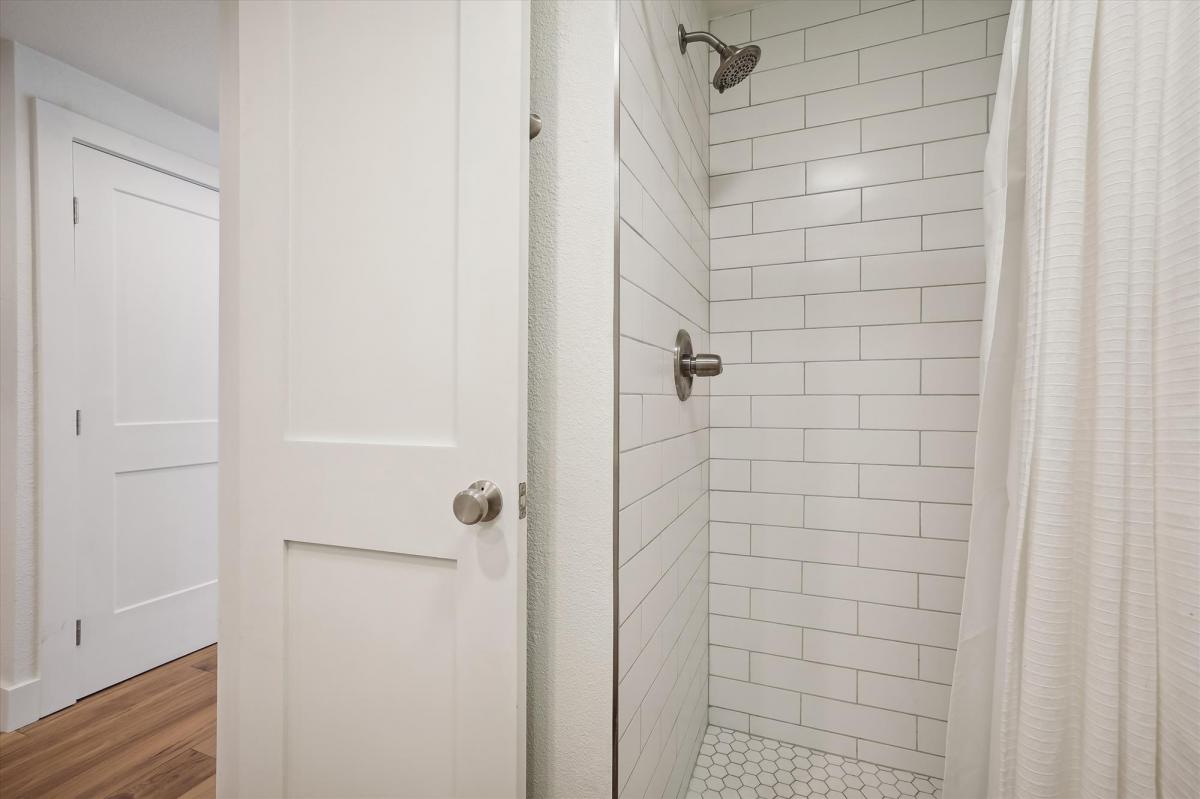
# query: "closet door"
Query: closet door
{"points": [[146, 314]]}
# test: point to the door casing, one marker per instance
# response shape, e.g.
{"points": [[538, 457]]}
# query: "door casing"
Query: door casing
{"points": [[56, 132]]}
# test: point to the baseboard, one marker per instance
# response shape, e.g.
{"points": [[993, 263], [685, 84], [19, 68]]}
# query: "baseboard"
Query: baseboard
{"points": [[19, 705]]}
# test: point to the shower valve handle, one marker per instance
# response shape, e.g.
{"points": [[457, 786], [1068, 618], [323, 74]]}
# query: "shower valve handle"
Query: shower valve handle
{"points": [[705, 364]]}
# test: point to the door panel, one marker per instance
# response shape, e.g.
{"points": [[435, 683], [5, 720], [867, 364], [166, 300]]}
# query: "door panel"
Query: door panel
{"points": [[374, 329], [165, 307], [165, 521], [404, 609], [379, 199], [146, 263]]}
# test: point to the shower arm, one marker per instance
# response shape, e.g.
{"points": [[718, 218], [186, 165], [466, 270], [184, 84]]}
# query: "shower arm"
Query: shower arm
{"points": [[686, 38]]}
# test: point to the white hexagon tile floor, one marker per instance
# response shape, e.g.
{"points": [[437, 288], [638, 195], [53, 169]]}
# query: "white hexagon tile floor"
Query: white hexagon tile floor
{"points": [[734, 765]]}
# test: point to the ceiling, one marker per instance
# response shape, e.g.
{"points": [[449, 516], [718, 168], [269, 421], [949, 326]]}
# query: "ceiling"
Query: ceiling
{"points": [[165, 51]]}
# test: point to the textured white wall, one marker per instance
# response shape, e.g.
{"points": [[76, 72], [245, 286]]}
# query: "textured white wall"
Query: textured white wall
{"points": [[571, 422], [663, 539], [847, 268], [27, 74]]}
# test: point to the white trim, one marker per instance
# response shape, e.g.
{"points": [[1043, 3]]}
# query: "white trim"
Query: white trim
{"points": [[55, 133], [19, 705]]}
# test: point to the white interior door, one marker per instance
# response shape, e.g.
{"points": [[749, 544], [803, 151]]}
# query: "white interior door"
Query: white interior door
{"points": [[373, 365], [146, 272]]}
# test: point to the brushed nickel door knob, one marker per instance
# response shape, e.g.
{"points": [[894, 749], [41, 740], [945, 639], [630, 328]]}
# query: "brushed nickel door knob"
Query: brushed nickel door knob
{"points": [[478, 502]]}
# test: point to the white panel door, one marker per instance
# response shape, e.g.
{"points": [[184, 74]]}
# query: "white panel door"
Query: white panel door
{"points": [[373, 365], [146, 276]]}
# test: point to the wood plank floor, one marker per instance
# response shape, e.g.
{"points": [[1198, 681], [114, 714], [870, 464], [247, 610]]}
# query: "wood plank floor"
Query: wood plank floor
{"points": [[150, 737]]}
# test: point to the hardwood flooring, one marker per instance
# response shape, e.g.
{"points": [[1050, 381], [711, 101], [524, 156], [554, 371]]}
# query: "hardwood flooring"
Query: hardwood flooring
{"points": [[150, 737]]}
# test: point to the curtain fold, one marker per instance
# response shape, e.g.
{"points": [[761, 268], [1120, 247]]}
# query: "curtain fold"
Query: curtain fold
{"points": [[1078, 670]]}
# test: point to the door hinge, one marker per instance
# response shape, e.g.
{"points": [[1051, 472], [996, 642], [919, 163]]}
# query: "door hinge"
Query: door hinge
{"points": [[522, 501], [75, 209], [78, 631], [78, 422]]}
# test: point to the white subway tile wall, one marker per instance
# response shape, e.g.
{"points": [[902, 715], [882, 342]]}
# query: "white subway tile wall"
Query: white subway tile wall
{"points": [[847, 291], [662, 702]]}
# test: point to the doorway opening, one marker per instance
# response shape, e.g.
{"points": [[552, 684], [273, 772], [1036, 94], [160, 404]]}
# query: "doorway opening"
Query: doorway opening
{"points": [[109, 672]]}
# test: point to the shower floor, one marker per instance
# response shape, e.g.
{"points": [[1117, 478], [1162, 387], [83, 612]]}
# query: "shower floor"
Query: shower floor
{"points": [[734, 765]]}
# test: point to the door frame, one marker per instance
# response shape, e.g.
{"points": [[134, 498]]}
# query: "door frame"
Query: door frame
{"points": [[56, 132]]}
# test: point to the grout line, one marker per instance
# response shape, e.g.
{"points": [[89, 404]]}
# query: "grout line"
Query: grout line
{"points": [[860, 464], [856, 119], [852, 325], [641, 234], [666, 617], [779, 559], [834, 698], [920, 216], [673, 184], [838, 665]]}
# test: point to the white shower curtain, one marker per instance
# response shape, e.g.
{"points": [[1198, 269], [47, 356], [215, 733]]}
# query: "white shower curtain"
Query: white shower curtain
{"points": [[1078, 671]]}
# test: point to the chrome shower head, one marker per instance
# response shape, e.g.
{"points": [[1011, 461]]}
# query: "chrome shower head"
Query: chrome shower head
{"points": [[736, 62]]}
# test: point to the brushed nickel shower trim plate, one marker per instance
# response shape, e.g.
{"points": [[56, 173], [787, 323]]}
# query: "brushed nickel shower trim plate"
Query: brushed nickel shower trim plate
{"points": [[689, 365], [683, 350]]}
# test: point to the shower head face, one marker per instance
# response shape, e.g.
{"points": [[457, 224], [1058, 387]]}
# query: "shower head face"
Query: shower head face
{"points": [[736, 67]]}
